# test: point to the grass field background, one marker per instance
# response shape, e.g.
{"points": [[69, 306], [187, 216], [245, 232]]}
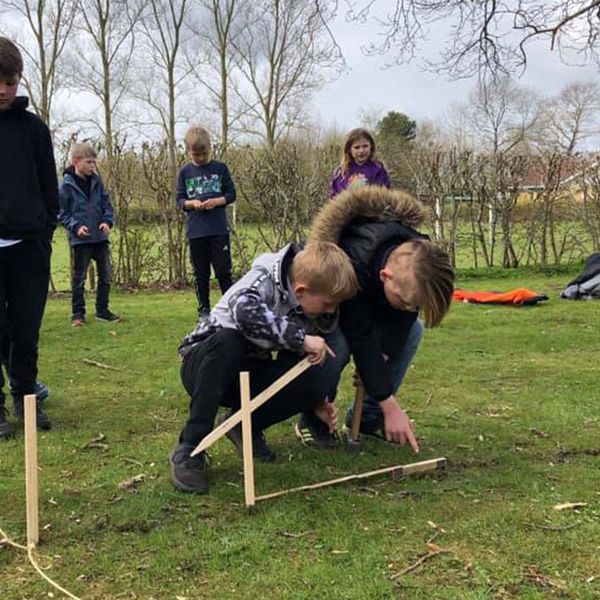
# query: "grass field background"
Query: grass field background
{"points": [[508, 395]]}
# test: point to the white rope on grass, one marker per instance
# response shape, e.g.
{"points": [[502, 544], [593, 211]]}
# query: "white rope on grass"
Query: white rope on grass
{"points": [[29, 549]]}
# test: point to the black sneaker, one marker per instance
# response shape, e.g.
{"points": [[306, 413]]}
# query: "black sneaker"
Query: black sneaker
{"points": [[106, 315], [41, 391], [42, 420], [78, 320], [373, 427], [188, 473], [313, 433], [260, 448], [6, 429]]}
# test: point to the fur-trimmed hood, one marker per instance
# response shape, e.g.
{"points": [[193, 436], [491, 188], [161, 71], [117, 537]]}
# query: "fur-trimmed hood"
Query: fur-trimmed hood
{"points": [[370, 202]]}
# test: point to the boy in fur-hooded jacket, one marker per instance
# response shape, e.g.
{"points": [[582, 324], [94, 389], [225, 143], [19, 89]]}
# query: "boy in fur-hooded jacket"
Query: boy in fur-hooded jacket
{"points": [[401, 275]]}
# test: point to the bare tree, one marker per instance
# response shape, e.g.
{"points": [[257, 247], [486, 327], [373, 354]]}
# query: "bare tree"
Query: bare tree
{"points": [[211, 58], [284, 53], [484, 36], [163, 26], [108, 25], [46, 28], [570, 118], [499, 115]]}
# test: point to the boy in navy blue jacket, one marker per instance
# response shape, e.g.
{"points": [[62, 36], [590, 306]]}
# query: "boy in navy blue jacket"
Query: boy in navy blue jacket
{"points": [[87, 214], [204, 189], [28, 209]]}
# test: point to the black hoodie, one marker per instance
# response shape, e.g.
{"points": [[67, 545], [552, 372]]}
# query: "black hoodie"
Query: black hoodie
{"points": [[28, 183]]}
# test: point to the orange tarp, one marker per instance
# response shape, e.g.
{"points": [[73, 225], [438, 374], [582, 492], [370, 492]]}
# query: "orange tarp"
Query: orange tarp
{"points": [[518, 296]]}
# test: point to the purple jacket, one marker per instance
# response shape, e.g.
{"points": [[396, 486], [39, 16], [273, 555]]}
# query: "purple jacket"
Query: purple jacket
{"points": [[371, 173]]}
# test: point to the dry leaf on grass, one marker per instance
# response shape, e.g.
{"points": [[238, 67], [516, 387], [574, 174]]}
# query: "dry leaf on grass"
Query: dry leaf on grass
{"points": [[128, 484], [570, 505]]}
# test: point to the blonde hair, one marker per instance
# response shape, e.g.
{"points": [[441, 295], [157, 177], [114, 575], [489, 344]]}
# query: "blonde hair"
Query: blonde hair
{"points": [[434, 276], [353, 136], [82, 150], [197, 139], [326, 269]]}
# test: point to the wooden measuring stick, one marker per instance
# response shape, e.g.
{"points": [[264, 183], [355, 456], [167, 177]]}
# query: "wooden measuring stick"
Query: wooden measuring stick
{"points": [[255, 403], [359, 399], [398, 471], [31, 470], [247, 438]]}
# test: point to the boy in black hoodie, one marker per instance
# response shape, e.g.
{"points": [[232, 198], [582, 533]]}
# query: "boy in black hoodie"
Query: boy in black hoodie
{"points": [[401, 275], [28, 211]]}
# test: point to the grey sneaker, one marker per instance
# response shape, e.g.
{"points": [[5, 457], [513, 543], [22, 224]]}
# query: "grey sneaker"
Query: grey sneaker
{"points": [[188, 473]]}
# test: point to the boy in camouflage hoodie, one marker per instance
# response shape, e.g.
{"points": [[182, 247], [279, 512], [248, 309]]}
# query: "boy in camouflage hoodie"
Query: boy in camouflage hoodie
{"points": [[273, 308]]}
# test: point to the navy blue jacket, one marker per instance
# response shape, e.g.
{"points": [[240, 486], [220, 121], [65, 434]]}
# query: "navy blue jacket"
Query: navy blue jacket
{"points": [[76, 209], [28, 185], [202, 182]]}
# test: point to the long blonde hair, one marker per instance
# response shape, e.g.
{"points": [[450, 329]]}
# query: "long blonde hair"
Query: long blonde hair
{"points": [[353, 136]]}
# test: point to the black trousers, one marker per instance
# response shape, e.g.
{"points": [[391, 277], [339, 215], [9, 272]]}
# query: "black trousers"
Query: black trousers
{"points": [[82, 255], [205, 251], [210, 375], [24, 278]]}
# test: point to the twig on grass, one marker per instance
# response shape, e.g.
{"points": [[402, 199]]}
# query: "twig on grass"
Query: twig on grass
{"points": [[96, 443], [418, 563], [551, 528], [95, 363]]}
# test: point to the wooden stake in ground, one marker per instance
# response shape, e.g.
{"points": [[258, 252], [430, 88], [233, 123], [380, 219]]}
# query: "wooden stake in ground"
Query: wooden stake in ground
{"points": [[31, 470], [359, 399], [247, 439]]}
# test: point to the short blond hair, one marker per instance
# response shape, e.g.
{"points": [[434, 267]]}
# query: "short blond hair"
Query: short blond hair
{"points": [[434, 275], [325, 269], [82, 150], [197, 139]]}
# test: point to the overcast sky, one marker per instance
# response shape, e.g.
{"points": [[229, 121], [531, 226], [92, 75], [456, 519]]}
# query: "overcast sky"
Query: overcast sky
{"points": [[406, 88]]}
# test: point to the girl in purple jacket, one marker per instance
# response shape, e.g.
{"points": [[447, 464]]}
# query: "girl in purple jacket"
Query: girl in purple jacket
{"points": [[358, 166]]}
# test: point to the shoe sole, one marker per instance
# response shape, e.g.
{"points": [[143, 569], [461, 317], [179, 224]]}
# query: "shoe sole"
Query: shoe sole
{"points": [[180, 485], [347, 432], [107, 320], [312, 444]]}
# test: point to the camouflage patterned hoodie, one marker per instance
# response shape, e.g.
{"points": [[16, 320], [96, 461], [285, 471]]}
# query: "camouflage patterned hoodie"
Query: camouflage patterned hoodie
{"points": [[261, 305]]}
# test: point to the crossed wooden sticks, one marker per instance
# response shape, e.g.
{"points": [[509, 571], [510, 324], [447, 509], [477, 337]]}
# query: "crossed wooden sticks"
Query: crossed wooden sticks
{"points": [[248, 405]]}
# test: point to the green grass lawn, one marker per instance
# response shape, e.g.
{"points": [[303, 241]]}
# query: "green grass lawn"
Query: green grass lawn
{"points": [[510, 396]]}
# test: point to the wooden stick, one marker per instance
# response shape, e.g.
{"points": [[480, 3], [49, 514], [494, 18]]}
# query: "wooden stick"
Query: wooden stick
{"points": [[95, 363], [31, 470], [359, 399], [397, 471], [255, 403], [247, 439]]}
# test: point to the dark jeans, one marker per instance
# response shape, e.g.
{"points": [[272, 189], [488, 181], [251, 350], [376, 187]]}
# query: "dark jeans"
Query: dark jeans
{"points": [[210, 375], [24, 278], [82, 255], [205, 251], [398, 363]]}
